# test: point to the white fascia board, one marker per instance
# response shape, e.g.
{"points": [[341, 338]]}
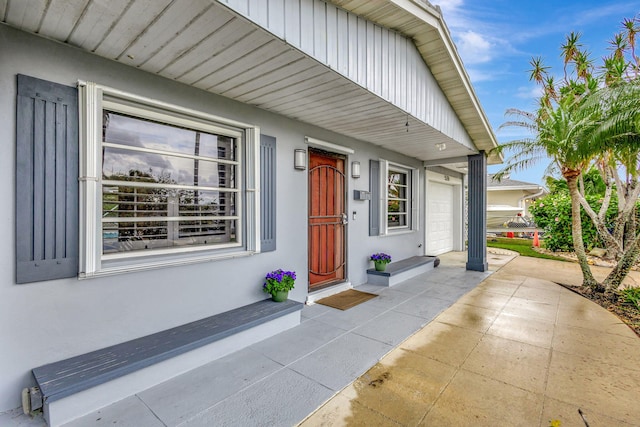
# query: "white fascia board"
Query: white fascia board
{"points": [[432, 17], [520, 187], [503, 208]]}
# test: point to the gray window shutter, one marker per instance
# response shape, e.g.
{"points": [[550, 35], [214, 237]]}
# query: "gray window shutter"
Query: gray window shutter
{"points": [[267, 193], [46, 181], [374, 203]]}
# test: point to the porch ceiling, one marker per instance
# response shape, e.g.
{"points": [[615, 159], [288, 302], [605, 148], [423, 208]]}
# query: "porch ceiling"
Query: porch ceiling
{"points": [[203, 44]]}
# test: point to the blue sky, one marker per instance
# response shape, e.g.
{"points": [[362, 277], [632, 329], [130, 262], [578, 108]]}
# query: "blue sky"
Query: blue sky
{"points": [[497, 38]]}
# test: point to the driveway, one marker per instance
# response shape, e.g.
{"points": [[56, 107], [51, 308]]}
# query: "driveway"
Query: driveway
{"points": [[518, 350]]}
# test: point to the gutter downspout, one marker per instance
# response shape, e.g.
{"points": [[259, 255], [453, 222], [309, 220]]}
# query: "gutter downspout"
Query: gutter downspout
{"points": [[522, 205]]}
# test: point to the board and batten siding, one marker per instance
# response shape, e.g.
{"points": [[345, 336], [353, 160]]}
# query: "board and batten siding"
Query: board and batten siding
{"points": [[381, 60]]}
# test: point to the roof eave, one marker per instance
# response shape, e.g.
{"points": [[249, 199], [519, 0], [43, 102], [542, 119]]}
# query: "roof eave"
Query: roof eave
{"points": [[516, 187], [419, 20]]}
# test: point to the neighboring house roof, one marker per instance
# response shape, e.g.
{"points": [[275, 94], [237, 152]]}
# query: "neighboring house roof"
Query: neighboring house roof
{"points": [[281, 57], [507, 183]]}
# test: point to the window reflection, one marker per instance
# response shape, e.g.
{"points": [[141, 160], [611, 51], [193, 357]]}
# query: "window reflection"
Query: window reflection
{"points": [[166, 186]]}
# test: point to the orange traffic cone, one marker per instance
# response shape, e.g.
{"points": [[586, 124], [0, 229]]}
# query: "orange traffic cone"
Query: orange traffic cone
{"points": [[536, 241]]}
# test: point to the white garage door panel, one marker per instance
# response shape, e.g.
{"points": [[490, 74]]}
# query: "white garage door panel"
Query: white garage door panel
{"points": [[440, 218]]}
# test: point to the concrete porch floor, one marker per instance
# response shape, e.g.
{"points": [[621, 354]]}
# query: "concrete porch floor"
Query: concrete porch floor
{"points": [[499, 349]]}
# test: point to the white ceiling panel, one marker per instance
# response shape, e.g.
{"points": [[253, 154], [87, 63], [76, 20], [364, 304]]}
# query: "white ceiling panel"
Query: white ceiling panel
{"points": [[204, 44], [209, 26], [136, 20], [61, 18], [232, 42], [250, 67], [176, 18], [96, 22], [26, 14], [287, 86]]}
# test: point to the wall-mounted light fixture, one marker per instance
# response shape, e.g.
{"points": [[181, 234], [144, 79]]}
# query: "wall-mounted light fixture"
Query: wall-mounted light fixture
{"points": [[441, 146], [300, 159], [355, 169]]}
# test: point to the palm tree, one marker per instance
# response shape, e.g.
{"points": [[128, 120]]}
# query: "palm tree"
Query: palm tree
{"points": [[618, 45], [584, 65], [617, 136], [630, 25], [582, 123], [615, 69], [539, 71], [630, 30], [570, 50], [559, 131]]}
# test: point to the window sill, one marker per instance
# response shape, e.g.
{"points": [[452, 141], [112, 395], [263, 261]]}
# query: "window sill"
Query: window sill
{"points": [[397, 233], [152, 265]]}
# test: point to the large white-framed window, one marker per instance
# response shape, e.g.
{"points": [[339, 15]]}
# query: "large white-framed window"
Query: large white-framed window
{"points": [[162, 184], [399, 204]]}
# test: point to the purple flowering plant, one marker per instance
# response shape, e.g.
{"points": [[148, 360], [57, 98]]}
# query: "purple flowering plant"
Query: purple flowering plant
{"points": [[279, 280], [381, 257]]}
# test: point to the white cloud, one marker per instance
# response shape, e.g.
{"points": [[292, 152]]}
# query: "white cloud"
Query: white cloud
{"points": [[477, 75], [453, 13], [529, 92], [450, 7], [474, 48]]}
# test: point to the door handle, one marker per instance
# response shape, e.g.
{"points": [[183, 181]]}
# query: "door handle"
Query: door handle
{"points": [[345, 219]]}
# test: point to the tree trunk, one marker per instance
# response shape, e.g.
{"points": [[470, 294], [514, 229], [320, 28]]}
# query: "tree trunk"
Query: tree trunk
{"points": [[629, 257], [620, 271], [576, 229]]}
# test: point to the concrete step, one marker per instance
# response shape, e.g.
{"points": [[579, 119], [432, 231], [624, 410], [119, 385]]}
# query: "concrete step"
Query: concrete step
{"points": [[402, 270]]}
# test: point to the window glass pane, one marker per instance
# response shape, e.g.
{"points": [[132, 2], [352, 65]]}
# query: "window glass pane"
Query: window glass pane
{"points": [[207, 231], [397, 198], [143, 211], [207, 203], [133, 202], [397, 178], [397, 206], [140, 236], [121, 129], [397, 187], [396, 192], [397, 220], [126, 165]]}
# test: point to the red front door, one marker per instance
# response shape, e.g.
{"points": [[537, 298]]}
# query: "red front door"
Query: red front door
{"points": [[327, 219]]}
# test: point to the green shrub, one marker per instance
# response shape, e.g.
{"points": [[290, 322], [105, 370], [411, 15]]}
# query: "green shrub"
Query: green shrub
{"points": [[553, 214]]}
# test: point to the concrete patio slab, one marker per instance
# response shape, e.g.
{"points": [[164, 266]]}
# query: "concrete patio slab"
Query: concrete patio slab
{"points": [[475, 400], [279, 400], [176, 400], [291, 345], [519, 350], [129, 412], [391, 327], [336, 364], [513, 362], [510, 348], [425, 306]]}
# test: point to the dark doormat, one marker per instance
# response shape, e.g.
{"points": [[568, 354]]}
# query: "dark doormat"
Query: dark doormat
{"points": [[347, 299]]}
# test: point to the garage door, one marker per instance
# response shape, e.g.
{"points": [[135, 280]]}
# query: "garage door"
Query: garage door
{"points": [[439, 218]]}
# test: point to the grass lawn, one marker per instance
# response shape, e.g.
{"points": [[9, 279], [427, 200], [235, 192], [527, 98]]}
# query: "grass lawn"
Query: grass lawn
{"points": [[522, 246]]}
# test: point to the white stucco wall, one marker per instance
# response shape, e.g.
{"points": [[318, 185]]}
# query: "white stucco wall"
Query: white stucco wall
{"points": [[505, 197], [47, 321]]}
